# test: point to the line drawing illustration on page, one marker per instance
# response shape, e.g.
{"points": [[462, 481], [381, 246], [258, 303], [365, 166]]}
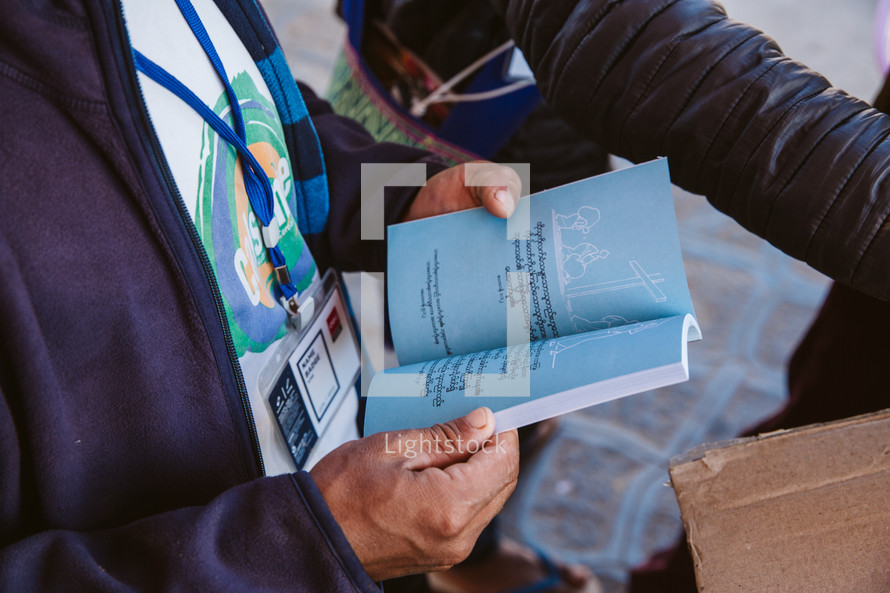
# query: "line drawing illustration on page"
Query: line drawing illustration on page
{"points": [[582, 220], [560, 345], [582, 325], [640, 278], [573, 260]]}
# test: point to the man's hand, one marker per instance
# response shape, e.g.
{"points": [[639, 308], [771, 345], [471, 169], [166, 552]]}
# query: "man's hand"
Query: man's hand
{"points": [[495, 187], [416, 500]]}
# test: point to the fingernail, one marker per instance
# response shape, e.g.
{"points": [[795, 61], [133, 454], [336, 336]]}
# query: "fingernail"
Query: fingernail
{"points": [[478, 418], [503, 197]]}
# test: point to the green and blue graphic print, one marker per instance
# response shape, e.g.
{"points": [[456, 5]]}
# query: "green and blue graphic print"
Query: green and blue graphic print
{"points": [[231, 232]]}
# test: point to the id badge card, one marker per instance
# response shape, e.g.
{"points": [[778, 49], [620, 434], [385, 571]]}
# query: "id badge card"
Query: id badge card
{"points": [[313, 371]]}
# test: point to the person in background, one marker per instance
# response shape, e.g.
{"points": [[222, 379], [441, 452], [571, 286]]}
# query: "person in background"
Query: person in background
{"points": [[768, 142]]}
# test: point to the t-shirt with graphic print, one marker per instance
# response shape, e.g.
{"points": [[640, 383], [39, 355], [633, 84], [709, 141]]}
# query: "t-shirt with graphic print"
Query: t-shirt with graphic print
{"points": [[208, 175]]}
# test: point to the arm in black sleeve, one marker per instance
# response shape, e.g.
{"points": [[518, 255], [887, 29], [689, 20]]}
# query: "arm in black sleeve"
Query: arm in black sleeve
{"points": [[346, 145], [768, 141]]}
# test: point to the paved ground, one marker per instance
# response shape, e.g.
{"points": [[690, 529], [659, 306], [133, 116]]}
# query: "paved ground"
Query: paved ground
{"points": [[598, 493]]}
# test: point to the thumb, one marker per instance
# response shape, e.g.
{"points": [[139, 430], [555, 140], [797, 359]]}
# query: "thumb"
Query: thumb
{"points": [[496, 187], [454, 441]]}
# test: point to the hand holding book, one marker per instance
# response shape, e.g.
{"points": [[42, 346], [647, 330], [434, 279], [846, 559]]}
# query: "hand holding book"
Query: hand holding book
{"points": [[470, 185], [578, 298]]}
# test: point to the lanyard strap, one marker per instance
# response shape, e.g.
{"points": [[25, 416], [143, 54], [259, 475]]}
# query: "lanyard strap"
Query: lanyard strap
{"points": [[256, 182]]}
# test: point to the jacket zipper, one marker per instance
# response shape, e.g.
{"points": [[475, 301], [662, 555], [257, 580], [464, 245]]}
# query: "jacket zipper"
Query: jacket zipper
{"points": [[161, 162]]}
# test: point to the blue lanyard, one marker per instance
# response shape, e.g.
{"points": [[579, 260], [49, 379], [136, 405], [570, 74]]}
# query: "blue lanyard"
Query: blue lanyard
{"points": [[259, 189]]}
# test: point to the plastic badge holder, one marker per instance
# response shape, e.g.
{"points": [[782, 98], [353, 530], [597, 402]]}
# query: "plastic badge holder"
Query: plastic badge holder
{"points": [[313, 370]]}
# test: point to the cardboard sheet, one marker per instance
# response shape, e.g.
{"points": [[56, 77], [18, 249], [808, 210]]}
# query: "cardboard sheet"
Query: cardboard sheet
{"points": [[803, 510]]}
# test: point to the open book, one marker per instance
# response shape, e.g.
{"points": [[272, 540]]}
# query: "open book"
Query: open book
{"points": [[579, 298]]}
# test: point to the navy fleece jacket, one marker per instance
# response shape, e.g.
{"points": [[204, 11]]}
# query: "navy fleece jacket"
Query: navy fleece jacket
{"points": [[126, 458]]}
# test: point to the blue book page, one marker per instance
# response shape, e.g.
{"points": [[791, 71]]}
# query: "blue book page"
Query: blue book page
{"points": [[595, 254], [588, 368]]}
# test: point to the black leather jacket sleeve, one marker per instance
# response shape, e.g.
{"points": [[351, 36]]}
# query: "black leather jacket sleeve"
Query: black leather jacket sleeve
{"points": [[768, 141]]}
